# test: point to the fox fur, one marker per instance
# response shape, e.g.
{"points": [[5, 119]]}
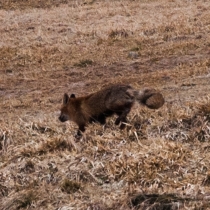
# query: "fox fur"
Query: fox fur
{"points": [[114, 99]]}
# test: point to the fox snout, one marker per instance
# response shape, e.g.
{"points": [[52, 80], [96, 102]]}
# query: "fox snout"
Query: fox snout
{"points": [[63, 118]]}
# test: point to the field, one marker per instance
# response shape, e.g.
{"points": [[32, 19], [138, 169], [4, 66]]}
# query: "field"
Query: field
{"points": [[161, 160]]}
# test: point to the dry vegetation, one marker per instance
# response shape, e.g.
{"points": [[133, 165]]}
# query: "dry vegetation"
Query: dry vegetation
{"points": [[161, 161]]}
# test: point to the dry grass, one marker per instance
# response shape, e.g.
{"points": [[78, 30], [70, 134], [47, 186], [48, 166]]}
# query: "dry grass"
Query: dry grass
{"points": [[161, 161]]}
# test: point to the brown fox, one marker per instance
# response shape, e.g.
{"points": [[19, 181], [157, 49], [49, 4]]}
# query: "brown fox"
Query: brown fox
{"points": [[114, 99]]}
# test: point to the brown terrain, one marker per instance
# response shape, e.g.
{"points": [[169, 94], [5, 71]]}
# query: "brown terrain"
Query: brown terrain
{"points": [[161, 160]]}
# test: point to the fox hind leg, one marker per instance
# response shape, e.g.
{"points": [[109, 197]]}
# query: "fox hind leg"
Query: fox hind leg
{"points": [[121, 107]]}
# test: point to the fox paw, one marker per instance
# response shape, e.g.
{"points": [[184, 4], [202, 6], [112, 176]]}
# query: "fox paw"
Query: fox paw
{"points": [[122, 126]]}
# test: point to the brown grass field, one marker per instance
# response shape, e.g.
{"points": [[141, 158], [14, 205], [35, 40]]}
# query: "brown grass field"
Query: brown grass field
{"points": [[161, 161]]}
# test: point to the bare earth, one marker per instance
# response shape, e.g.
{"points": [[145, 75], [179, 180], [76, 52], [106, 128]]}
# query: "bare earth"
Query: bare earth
{"points": [[161, 160]]}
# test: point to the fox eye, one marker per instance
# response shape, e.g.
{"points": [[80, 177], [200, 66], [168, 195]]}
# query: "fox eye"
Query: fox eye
{"points": [[72, 96]]}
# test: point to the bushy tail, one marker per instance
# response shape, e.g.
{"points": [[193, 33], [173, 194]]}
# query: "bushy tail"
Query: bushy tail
{"points": [[152, 98]]}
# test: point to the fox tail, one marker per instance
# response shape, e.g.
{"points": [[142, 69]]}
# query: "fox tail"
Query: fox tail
{"points": [[150, 97]]}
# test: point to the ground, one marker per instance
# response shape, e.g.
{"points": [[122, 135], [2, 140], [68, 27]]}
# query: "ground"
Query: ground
{"points": [[161, 160]]}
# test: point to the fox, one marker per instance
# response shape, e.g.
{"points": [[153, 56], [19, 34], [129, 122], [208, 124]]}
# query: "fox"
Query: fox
{"points": [[113, 99]]}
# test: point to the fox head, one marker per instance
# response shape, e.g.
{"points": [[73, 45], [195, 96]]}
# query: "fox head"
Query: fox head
{"points": [[66, 108]]}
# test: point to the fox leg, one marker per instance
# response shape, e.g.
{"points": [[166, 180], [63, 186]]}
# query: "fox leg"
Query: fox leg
{"points": [[118, 120], [81, 130], [102, 119], [121, 108], [122, 118]]}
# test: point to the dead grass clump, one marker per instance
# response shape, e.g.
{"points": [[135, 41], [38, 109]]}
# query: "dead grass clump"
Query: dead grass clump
{"points": [[121, 33], [6, 55], [201, 133], [5, 140], [43, 129], [84, 63], [22, 201], [185, 124], [187, 129], [133, 55], [206, 180], [135, 49], [53, 146], [50, 145], [143, 168], [200, 121], [1, 145], [97, 206], [203, 107], [70, 186], [3, 191], [149, 32], [26, 199], [156, 201], [208, 63], [137, 128], [22, 4], [28, 167], [203, 205]]}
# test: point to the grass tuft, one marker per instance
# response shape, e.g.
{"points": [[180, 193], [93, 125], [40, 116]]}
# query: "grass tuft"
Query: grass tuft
{"points": [[122, 33], [26, 200], [155, 201], [70, 186], [84, 63]]}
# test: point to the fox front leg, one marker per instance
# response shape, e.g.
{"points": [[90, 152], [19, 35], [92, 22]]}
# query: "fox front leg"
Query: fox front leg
{"points": [[102, 119], [122, 117], [81, 130]]}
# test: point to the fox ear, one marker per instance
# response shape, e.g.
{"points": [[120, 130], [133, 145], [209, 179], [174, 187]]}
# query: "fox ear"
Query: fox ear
{"points": [[65, 99], [72, 96]]}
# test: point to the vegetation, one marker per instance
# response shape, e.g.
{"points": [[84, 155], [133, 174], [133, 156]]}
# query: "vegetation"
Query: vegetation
{"points": [[160, 161]]}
